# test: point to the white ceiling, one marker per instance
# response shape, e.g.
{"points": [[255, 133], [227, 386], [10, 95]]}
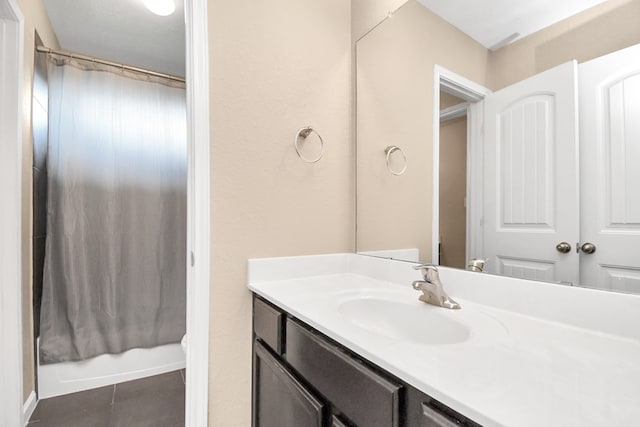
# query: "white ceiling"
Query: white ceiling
{"points": [[491, 21], [125, 31], [122, 31]]}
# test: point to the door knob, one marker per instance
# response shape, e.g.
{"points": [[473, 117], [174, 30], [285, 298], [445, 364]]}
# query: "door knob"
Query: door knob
{"points": [[588, 248], [563, 247]]}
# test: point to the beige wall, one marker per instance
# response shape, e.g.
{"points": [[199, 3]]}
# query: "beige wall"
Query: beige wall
{"points": [[366, 14], [447, 100], [275, 67], [610, 26], [35, 19], [395, 64]]}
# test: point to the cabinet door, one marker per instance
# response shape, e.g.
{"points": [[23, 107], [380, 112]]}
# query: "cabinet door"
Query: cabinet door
{"points": [[279, 400]]}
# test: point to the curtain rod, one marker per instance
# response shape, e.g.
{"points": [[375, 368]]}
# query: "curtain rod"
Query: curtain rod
{"points": [[44, 49]]}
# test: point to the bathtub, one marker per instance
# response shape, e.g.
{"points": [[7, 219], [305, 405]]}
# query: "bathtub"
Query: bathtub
{"points": [[68, 377]]}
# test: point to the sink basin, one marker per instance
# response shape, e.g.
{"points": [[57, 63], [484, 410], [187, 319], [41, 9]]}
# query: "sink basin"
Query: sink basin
{"points": [[418, 323], [405, 318]]}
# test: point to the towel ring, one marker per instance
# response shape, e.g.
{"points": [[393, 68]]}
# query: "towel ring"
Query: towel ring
{"points": [[390, 150], [304, 133]]}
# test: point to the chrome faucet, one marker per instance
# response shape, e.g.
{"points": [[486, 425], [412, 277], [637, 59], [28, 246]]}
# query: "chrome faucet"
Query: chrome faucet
{"points": [[432, 291]]}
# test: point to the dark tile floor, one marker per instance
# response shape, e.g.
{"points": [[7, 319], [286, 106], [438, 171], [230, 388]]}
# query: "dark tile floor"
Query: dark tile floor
{"points": [[156, 401]]}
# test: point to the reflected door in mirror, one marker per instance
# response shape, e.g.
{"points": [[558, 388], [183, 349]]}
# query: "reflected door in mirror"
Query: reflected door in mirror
{"points": [[610, 170], [531, 177]]}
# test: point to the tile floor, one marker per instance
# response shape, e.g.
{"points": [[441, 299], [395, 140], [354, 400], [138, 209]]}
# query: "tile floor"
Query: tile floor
{"points": [[156, 401]]}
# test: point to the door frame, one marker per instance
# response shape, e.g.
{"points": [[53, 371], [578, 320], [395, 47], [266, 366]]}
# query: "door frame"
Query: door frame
{"points": [[198, 213], [473, 93], [11, 80]]}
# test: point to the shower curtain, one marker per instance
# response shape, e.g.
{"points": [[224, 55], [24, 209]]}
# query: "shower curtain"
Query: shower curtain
{"points": [[115, 263]]}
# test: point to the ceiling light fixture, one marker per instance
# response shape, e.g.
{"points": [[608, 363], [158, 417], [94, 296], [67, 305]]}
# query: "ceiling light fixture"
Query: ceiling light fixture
{"points": [[160, 7]]}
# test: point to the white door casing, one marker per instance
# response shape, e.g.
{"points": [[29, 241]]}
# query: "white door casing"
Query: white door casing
{"points": [[11, 65], [198, 214], [473, 93], [531, 200], [610, 170]]}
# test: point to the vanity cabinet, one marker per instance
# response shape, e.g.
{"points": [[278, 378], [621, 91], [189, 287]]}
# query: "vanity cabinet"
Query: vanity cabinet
{"points": [[303, 378]]}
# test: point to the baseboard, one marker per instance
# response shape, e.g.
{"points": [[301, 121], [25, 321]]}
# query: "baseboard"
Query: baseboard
{"points": [[29, 407]]}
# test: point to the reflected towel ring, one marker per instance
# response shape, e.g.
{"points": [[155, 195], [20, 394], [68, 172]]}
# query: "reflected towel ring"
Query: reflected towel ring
{"points": [[304, 133], [390, 150]]}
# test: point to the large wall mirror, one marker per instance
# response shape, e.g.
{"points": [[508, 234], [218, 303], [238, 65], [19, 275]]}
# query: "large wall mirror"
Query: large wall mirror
{"points": [[525, 153]]}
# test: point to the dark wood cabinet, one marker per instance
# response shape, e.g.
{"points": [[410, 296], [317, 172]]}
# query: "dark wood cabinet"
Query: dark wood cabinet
{"points": [[268, 325], [424, 411], [280, 400], [361, 394], [337, 422], [302, 378]]}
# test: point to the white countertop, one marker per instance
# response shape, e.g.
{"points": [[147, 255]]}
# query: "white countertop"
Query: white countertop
{"points": [[529, 368]]}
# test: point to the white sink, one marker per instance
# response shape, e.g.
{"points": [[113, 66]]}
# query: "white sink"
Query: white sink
{"points": [[400, 316], [423, 324]]}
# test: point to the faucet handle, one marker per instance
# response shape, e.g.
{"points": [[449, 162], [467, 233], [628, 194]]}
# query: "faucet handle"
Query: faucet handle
{"points": [[425, 269]]}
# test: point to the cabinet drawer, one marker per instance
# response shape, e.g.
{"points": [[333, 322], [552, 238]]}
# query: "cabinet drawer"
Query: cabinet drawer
{"points": [[362, 395], [423, 411], [268, 324], [337, 422]]}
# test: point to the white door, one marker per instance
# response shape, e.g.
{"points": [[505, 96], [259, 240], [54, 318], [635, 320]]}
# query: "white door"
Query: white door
{"points": [[531, 177], [610, 170]]}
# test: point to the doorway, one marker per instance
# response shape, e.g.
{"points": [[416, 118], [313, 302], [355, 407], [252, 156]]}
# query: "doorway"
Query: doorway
{"points": [[461, 97], [453, 181], [198, 217]]}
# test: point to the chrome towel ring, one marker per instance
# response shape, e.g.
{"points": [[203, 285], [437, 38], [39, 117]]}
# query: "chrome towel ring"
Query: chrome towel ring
{"points": [[304, 133], [389, 151]]}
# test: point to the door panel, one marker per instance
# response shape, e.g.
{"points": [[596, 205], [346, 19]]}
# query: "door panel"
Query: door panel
{"points": [[531, 177], [524, 148], [610, 170], [525, 269], [620, 139], [621, 279]]}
